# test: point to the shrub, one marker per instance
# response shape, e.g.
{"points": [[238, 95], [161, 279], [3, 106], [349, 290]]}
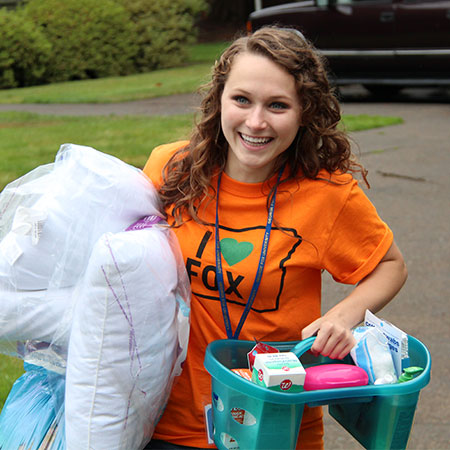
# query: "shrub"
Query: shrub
{"points": [[24, 51], [164, 29], [90, 39]]}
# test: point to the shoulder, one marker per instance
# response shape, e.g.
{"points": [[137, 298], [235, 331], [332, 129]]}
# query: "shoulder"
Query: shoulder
{"points": [[332, 193], [159, 158], [329, 185]]}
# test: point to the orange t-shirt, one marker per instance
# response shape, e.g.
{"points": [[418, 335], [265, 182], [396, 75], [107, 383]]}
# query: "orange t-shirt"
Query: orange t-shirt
{"points": [[320, 225]]}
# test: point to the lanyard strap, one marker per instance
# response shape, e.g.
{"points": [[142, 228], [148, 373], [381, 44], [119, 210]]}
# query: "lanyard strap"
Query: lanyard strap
{"points": [[259, 272]]}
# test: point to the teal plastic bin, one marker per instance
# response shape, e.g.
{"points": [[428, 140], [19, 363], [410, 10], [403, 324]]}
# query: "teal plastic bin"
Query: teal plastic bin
{"points": [[247, 416]]}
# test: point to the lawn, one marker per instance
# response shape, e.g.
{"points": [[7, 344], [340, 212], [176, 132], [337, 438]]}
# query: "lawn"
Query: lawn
{"points": [[159, 83], [28, 140]]}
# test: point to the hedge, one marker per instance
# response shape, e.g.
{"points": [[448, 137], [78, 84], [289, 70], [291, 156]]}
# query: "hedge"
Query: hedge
{"points": [[89, 39], [24, 51], [54, 40], [163, 30]]}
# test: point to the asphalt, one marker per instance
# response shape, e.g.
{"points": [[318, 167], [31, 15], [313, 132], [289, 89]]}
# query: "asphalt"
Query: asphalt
{"points": [[410, 184]]}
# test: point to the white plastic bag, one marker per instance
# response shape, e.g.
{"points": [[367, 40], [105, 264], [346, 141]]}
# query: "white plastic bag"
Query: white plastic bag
{"points": [[52, 217]]}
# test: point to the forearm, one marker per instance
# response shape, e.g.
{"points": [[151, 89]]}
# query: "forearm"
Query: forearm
{"points": [[333, 329], [375, 291]]}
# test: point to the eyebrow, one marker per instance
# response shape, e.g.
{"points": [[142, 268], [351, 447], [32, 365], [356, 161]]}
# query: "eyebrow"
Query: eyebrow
{"points": [[276, 97]]}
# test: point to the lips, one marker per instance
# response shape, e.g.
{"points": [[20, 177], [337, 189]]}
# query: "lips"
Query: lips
{"points": [[254, 140]]}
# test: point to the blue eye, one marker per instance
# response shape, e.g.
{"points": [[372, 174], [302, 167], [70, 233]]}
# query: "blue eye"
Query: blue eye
{"points": [[240, 99], [278, 105]]}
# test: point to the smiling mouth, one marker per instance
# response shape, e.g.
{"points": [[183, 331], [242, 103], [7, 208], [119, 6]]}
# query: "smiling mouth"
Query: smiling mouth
{"points": [[252, 140]]}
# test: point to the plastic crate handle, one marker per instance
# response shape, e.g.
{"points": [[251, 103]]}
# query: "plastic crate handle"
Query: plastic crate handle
{"points": [[303, 346]]}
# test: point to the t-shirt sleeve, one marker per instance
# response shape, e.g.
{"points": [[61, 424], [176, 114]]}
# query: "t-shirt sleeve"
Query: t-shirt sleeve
{"points": [[158, 159], [358, 240]]}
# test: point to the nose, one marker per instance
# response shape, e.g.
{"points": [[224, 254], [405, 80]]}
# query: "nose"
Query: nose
{"points": [[256, 119]]}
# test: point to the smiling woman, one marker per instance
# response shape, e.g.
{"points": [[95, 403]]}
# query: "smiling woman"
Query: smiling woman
{"points": [[261, 115], [262, 200]]}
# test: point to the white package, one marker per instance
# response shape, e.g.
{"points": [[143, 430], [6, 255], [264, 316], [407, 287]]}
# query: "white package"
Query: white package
{"points": [[372, 354], [51, 217], [128, 339], [397, 340]]}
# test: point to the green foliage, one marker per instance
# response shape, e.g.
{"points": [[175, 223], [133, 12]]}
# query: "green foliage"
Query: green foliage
{"points": [[163, 29], [90, 39], [24, 51], [51, 41]]}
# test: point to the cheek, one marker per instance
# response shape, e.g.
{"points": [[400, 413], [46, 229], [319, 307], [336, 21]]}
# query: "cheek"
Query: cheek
{"points": [[230, 117], [289, 130]]}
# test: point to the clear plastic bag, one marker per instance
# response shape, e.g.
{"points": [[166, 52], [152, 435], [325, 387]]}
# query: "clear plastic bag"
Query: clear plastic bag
{"points": [[104, 308], [52, 217]]}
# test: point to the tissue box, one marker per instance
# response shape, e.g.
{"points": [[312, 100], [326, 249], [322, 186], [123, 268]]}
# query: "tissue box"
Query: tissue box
{"points": [[280, 372]]}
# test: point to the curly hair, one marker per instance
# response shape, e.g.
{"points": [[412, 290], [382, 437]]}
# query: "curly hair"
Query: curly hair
{"points": [[319, 144]]}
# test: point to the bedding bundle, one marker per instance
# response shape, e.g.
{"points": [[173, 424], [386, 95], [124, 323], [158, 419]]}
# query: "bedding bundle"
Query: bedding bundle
{"points": [[94, 295]]}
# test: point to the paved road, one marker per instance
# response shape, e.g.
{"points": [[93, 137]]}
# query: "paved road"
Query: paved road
{"points": [[408, 169], [409, 172]]}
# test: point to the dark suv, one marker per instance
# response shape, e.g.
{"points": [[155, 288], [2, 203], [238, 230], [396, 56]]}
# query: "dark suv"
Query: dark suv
{"points": [[383, 44]]}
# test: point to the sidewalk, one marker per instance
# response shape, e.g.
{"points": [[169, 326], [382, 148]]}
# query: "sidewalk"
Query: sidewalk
{"points": [[408, 170], [163, 106]]}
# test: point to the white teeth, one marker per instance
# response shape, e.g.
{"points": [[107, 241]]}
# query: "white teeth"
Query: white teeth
{"points": [[255, 140]]}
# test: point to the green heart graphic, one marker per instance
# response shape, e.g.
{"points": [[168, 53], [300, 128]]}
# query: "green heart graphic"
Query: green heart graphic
{"points": [[234, 251]]}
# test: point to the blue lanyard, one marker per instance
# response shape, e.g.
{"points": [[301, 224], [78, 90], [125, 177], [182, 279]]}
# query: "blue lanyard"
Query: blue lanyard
{"points": [[259, 272]]}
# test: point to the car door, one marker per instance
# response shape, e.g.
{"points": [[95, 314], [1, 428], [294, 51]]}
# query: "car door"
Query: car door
{"points": [[423, 38], [357, 25], [358, 37]]}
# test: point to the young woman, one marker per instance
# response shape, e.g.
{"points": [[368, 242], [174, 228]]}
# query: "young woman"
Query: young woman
{"points": [[262, 199]]}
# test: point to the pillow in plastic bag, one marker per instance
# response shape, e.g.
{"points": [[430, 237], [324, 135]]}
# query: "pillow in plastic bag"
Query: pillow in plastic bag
{"points": [[51, 217], [36, 315], [128, 338]]}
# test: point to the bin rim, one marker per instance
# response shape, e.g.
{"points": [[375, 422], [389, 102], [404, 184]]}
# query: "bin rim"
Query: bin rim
{"points": [[221, 373]]}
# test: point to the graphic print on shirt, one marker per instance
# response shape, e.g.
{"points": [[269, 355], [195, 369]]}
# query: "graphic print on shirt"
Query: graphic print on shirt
{"points": [[241, 248]]}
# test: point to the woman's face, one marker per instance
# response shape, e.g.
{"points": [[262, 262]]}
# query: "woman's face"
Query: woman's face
{"points": [[260, 116]]}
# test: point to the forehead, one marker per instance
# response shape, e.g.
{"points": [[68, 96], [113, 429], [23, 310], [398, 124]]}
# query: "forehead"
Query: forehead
{"points": [[250, 70]]}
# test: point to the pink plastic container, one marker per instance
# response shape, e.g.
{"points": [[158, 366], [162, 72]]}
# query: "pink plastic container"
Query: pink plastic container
{"points": [[332, 376]]}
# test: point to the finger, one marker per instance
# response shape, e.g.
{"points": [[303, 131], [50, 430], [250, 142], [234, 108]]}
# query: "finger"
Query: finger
{"points": [[336, 335], [340, 350], [311, 329], [342, 347], [323, 335]]}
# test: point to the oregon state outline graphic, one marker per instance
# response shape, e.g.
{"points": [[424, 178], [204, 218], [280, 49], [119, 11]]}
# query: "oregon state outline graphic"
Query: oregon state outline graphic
{"points": [[241, 249]]}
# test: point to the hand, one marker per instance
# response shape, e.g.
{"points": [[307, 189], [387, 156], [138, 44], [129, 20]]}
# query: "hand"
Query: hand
{"points": [[334, 339]]}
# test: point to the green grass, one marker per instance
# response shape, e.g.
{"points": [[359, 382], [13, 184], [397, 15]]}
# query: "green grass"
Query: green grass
{"points": [[114, 89], [10, 369], [159, 83], [28, 140], [364, 122]]}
